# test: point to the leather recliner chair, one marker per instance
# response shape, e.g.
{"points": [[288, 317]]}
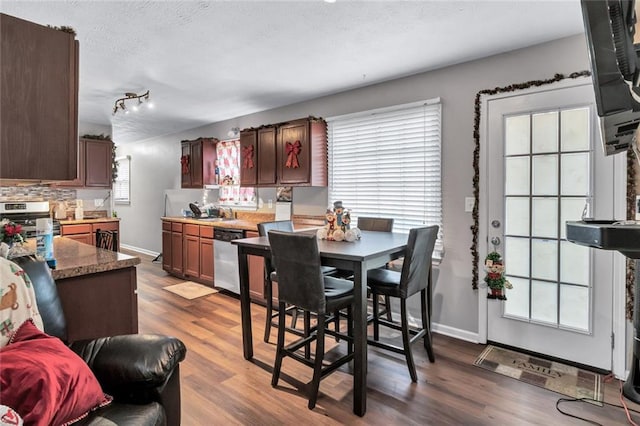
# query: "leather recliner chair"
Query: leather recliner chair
{"points": [[140, 371]]}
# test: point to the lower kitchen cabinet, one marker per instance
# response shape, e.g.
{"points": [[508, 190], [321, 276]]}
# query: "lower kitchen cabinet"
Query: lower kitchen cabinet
{"points": [[206, 254], [86, 232], [187, 251], [177, 253], [191, 247]]}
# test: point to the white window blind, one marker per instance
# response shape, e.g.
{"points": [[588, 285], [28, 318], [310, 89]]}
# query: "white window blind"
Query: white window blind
{"points": [[121, 186], [387, 163]]}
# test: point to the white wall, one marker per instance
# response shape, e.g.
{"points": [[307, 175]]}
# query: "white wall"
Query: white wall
{"points": [[155, 162]]}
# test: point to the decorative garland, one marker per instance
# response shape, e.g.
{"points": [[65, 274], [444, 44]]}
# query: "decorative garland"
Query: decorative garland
{"points": [[632, 164], [476, 155]]}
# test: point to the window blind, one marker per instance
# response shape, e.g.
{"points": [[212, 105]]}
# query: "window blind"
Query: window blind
{"points": [[121, 187], [387, 163]]}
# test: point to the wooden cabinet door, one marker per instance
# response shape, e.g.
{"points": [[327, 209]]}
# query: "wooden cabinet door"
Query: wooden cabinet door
{"points": [[38, 101], [256, 273], [206, 260], [185, 165], [248, 158], [176, 253], [196, 163], [79, 180], [294, 153], [267, 173], [166, 247], [191, 256], [98, 163]]}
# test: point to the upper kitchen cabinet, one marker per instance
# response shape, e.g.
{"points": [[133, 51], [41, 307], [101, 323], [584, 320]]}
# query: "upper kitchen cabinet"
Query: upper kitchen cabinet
{"points": [[286, 154], [198, 162], [94, 164], [302, 153], [258, 157], [38, 101]]}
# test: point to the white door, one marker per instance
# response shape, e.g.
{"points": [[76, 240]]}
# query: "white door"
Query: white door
{"points": [[544, 164]]}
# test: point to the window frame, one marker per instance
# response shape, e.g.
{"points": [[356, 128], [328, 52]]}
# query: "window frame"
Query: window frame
{"points": [[120, 184]]}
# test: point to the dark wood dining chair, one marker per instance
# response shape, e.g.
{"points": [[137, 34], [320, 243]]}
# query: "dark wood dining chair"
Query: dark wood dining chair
{"points": [[301, 283], [271, 276], [414, 278], [107, 240]]}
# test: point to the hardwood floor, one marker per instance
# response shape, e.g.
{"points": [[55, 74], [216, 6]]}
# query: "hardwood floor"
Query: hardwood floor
{"points": [[220, 387]]}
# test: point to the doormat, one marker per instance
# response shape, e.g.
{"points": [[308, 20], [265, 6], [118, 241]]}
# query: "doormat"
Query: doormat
{"points": [[190, 290], [557, 377]]}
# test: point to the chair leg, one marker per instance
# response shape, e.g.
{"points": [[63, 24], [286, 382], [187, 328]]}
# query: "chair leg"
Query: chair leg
{"points": [[376, 314], [317, 366], [279, 347], [268, 294], [307, 330], [406, 340], [294, 317], [426, 324], [336, 314], [387, 305], [350, 329]]}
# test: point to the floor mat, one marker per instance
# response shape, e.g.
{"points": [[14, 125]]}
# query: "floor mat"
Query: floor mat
{"points": [[561, 378], [190, 290]]}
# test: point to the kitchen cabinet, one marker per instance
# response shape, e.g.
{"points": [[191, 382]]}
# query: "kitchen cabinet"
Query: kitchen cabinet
{"points": [[206, 254], [286, 154], [256, 274], [86, 232], [187, 251], [38, 101], [258, 162], [198, 162], [94, 164]]}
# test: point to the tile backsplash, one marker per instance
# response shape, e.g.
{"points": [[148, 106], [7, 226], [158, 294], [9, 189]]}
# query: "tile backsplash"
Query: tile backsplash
{"points": [[37, 193]]}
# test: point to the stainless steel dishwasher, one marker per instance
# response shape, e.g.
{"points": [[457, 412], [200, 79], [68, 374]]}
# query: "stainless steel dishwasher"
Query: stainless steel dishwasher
{"points": [[225, 259]]}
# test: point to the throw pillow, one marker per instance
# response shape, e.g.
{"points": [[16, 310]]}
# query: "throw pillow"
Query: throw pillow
{"points": [[45, 381], [17, 300]]}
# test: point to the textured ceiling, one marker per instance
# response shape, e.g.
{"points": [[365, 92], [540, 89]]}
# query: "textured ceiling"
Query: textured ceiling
{"points": [[207, 61]]}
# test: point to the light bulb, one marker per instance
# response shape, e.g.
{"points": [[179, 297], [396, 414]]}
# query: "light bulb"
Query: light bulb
{"points": [[150, 105]]}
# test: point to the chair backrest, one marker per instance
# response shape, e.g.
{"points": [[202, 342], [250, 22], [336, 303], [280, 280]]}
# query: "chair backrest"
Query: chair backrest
{"points": [[47, 298], [379, 224], [107, 240], [297, 261], [416, 268], [263, 231]]}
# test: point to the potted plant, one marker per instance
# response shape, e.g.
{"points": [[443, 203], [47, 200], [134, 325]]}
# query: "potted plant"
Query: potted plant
{"points": [[495, 279]]}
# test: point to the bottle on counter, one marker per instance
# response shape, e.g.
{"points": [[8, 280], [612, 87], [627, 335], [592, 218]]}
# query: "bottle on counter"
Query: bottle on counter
{"points": [[44, 238], [79, 210]]}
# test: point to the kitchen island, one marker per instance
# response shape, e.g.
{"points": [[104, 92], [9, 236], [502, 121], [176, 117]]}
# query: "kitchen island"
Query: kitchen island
{"points": [[97, 288]]}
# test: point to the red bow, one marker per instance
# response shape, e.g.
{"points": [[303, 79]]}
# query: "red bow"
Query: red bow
{"points": [[247, 155], [293, 149], [184, 161]]}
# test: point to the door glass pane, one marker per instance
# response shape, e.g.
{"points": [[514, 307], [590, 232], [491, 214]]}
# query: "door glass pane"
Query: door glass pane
{"points": [[517, 176], [517, 131], [545, 175], [517, 216], [545, 132], [575, 174], [544, 301], [517, 303], [574, 307], [574, 125], [570, 209], [544, 259], [517, 256], [574, 261], [545, 217]]}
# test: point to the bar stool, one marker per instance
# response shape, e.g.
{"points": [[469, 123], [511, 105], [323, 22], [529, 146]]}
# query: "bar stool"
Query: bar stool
{"points": [[270, 276], [107, 240], [415, 277], [301, 283]]}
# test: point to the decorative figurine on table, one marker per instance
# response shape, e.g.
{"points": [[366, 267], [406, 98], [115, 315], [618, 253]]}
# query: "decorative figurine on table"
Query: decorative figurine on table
{"points": [[495, 278], [338, 225]]}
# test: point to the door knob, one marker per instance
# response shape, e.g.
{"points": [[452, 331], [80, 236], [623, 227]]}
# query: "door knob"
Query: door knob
{"points": [[495, 241]]}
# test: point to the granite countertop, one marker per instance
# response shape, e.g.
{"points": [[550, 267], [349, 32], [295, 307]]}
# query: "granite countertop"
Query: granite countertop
{"points": [[94, 220], [75, 259]]}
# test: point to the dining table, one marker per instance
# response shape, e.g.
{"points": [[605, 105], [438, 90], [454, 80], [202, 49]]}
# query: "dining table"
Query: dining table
{"points": [[372, 250]]}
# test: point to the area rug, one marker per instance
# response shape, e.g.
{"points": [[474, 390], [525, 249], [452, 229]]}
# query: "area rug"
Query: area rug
{"points": [[557, 377], [190, 290]]}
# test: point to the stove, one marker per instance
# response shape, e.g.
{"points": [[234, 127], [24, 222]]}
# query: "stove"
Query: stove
{"points": [[25, 213]]}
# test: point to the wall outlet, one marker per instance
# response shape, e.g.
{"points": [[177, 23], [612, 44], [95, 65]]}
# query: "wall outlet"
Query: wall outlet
{"points": [[98, 202], [469, 202]]}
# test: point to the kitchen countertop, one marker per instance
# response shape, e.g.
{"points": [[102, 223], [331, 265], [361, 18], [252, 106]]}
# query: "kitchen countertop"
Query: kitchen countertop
{"points": [[94, 220], [75, 259], [247, 222]]}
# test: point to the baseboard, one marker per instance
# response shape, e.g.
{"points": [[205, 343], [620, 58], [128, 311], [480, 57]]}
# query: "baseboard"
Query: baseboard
{"points": [[139, 250], [456, 333]]}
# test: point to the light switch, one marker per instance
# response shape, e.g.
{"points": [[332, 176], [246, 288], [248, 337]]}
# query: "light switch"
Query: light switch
{"points": [[469, 202]]}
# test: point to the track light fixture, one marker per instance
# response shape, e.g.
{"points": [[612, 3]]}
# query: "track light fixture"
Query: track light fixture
{"points": [[120, 104]]}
